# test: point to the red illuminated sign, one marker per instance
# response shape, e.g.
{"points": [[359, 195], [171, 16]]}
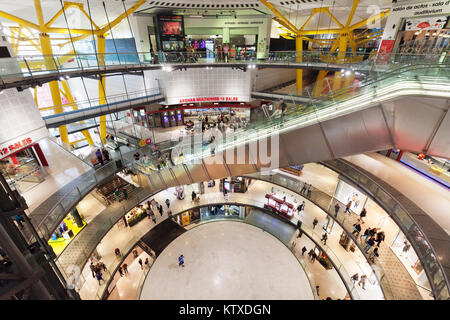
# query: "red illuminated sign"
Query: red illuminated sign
{"points": [[16, 146], [209, 99]]}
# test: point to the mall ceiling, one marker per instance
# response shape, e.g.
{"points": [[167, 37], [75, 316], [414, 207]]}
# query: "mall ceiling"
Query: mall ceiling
{"points": [[293, 8]]}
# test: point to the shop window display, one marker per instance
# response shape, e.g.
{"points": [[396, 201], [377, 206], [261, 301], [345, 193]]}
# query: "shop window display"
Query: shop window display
{"points": [[66, 231], [436, 168], [22, 170]]}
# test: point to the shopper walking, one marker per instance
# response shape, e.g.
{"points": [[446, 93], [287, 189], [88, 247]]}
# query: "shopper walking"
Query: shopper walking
{"points": [[140, 262], [347, 207], [310, 253], [121, 271], [194, 195], [304, 250], [99, 156], [181, 260], [93, 269], [313, 258], [125, 268], [105, 154], [146, 262], [305, 185], [125, 193], [168, 203], [336, 209], [354, 278], [301, 207], [324, 238], [369, 244], [362, 214], [315, 222], [356, 229], [99, 277], [154, 217], [309, 191], [374, 255], [380, 238], [160, 209], [362, 281], [317, 290], [366, 234]]}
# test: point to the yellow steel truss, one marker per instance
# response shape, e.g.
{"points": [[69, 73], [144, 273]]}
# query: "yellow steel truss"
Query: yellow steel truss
{"points": [[48, 62], [345, 37]]}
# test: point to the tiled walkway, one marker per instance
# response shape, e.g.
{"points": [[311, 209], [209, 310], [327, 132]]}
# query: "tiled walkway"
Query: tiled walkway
{"points": [[353, 262]]}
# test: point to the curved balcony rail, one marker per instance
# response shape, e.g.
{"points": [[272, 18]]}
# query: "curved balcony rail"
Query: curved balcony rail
{"points": [[326, 203], [86, 252], [404, 218], [297, 117], [40, 68], [101, 292]]}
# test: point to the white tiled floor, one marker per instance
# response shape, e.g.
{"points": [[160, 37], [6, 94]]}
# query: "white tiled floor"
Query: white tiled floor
{"points": [[353, 262], [226, 260]]}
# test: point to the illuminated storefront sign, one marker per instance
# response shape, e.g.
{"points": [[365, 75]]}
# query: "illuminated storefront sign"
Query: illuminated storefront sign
{"points": [[208, 99], [15, 146]]}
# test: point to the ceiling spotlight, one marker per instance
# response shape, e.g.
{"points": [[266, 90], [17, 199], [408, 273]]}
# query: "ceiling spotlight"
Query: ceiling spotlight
{"points": [[61, 78], [342, 70], [67, 77], [348, 73]]}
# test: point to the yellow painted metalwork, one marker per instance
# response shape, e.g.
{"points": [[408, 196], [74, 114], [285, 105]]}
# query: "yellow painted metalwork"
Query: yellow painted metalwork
{"points": [[345, 37], [101, 84], [79, 140], [68, 95], [50, 65], [299, 58]]}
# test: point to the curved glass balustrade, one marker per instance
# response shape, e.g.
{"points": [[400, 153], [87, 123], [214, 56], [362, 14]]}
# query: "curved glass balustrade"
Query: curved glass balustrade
{"points": [[403, 219], [34, 66]]}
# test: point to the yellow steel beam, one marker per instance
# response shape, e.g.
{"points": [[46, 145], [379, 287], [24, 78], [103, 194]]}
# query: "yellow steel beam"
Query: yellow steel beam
{"points": [[117, 20], [96, 27], [372, 34], [79, 140], [18, 20], [50, 65], [309, 19], [299, 58], [279, 15], [326, 10], [101, 83], [71, 100], [284, 24], [372, 19], [352, 13]]}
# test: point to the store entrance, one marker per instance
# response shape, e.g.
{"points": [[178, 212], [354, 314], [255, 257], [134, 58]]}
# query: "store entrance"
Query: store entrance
{"points": [[427, 39], [22, 170]]}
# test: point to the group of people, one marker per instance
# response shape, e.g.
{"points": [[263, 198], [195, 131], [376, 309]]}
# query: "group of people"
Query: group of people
{"points": [[97, 269], [362, 280], [279, 113], [102, 156], [306, 190]]}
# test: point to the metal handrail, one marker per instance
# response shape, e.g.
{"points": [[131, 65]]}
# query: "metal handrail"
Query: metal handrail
{"points": [[405, 230]]}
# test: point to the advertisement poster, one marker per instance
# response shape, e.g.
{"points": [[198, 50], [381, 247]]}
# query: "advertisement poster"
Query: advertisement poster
{"points": [[171, 26], [385, 51], [425, 23], [185, 218]]}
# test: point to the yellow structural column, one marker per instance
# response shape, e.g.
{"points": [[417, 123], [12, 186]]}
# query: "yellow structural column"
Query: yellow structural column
{"points": [[101, 83], [71, 100], [49, 63], [343, 42], [54, 86], [299, 58]]}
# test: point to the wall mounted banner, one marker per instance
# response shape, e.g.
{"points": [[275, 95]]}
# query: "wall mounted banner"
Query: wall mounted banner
{"points": [[425, 23]]}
